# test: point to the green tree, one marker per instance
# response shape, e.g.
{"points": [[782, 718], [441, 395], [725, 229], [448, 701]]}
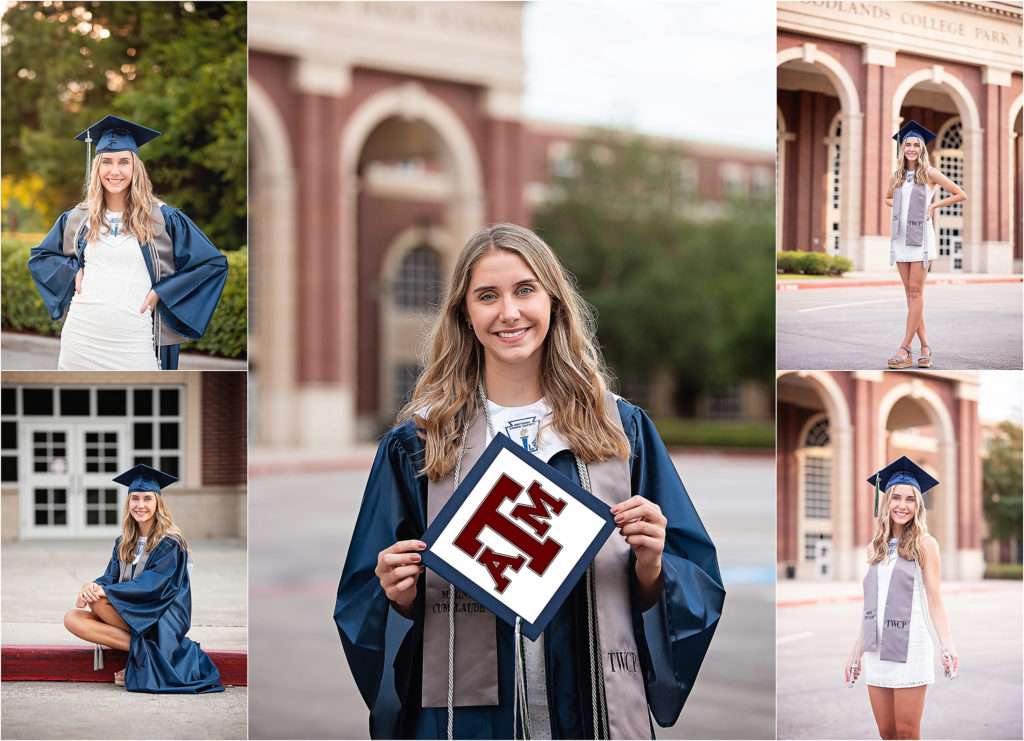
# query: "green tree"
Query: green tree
{"points": [[1002, 483], [680, 286], [178, 67]]}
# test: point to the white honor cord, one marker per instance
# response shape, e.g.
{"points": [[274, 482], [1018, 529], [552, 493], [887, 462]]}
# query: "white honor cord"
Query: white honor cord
{"points": [[597, 696], [451, 608]]}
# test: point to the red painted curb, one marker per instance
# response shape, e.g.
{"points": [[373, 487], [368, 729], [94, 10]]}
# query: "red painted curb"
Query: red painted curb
{"points": [[74, 664], [797, 286]]}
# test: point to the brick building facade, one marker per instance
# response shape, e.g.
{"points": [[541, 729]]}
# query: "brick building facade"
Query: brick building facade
{"points": [[851, 74]]}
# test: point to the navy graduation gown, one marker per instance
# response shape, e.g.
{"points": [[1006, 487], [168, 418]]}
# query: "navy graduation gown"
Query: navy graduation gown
{"points": [[384, 650], [157, 606], [188, 297]]}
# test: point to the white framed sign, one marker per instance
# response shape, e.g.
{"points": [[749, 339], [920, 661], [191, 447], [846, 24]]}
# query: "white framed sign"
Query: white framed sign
{"points": [[517, 535]]}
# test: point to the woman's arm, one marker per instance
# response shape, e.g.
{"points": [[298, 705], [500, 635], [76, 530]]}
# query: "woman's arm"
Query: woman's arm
{"points": [[931, 568], [936, 177], [890, 189]]}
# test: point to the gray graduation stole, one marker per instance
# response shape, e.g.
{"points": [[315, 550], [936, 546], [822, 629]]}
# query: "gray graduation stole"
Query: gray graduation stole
{"points": [[161, 257], [476, 664], [129, 570], [896, 622], [916, 213]]}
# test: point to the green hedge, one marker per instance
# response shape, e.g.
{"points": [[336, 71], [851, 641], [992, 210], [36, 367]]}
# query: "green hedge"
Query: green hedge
{"points": [[1004, 571], [716, 433], [812, 263], [24, 310]]}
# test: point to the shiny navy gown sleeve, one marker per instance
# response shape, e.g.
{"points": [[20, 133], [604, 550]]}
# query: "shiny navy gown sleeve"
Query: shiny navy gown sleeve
{"points": [[53, 271], [189, 297], [157, 606], [674, 634], [113, 571], [379, 643]]}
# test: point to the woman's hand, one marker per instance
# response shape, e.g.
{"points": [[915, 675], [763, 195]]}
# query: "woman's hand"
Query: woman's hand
{"points": [[952, 664], [89, 594], [851, 669], [78, 280], [152, 299], [398, 569], [931, 210], [643, 526]]}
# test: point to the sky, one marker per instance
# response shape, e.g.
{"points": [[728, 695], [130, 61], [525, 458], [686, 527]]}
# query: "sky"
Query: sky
{"points": [[1000, 396], [695, 70]]}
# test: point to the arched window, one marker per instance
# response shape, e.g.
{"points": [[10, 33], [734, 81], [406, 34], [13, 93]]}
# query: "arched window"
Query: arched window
{"points": [[418, 283], [951, 162]]}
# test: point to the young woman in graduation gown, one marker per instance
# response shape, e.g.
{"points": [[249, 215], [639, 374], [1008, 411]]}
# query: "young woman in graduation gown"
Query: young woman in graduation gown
{"points": [[911, 193], [134, 276], [515, 342], [142, 604], [904, 619]]}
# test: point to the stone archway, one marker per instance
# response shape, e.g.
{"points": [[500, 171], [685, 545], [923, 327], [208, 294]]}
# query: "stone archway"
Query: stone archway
{"points": [[1014, 167], [975, 258], [462, 199], [836, 409], [851, 119], [272, 276], [945, 504]]}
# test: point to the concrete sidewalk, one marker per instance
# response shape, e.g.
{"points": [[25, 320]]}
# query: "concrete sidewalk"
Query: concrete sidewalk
{"points": [[817, 625], [41, 578], [32, 352], [859, 278]]}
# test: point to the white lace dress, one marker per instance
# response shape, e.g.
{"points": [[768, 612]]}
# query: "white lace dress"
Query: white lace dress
{"points": [[920, 666], [104, 329], [914, 254]]}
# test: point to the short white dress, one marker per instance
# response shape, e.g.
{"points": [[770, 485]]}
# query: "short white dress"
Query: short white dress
{"points": [[104, 329], [919, 668], [902, 251]]}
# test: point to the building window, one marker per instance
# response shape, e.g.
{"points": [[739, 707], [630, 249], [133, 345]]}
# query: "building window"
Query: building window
{"points": [[835, 157], [818, 435], [951, 162], [811, 541], [817, 488], [418, 285], [724, 403], [951, 245]]}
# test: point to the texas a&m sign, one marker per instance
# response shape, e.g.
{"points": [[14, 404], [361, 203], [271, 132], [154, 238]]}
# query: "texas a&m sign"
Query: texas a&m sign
{"points": [[517, 535]]}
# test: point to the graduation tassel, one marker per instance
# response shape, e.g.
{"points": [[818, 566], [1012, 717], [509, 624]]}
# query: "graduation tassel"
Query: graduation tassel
{"points": [[88, 156], [520, 708], [876, 495]]}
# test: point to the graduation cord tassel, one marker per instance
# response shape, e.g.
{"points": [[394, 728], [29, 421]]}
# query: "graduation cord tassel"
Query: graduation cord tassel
{"points": [[97, 657], [597, 696], [520, 703]]}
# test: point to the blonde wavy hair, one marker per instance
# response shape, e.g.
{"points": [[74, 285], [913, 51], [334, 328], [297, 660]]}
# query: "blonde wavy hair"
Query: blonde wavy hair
{"points": [[138, 203], [573, 374], [923, 163], [909, 545], [163, 527]]}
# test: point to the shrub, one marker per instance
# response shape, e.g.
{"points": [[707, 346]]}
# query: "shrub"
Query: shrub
{"points": [[813, 263], [786, 261], [840, 265], [1003, 571], [24, 310]]}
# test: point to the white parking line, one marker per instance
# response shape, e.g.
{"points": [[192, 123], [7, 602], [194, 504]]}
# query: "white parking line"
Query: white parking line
{"points": [[794, 637], [855, 303]]}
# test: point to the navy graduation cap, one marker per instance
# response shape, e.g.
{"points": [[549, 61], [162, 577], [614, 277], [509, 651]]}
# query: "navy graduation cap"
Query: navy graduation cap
{"points": [[913, 128], [901, 471], [113, 134], [145, 478]]}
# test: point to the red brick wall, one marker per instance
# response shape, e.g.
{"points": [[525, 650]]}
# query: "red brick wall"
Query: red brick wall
{"points": [[223, 432]]}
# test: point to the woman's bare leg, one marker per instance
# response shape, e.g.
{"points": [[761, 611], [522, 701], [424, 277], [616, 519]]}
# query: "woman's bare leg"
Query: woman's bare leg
{"points": [[908, 703], [100, 625], [913, 275], [883, 707]]}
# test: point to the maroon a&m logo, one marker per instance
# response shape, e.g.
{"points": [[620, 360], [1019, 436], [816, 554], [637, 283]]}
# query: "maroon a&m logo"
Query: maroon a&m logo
{"points": [[535, 553]]}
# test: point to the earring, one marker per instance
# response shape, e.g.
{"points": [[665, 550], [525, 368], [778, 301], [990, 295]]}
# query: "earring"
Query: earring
{"points": [[469, 324]]}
